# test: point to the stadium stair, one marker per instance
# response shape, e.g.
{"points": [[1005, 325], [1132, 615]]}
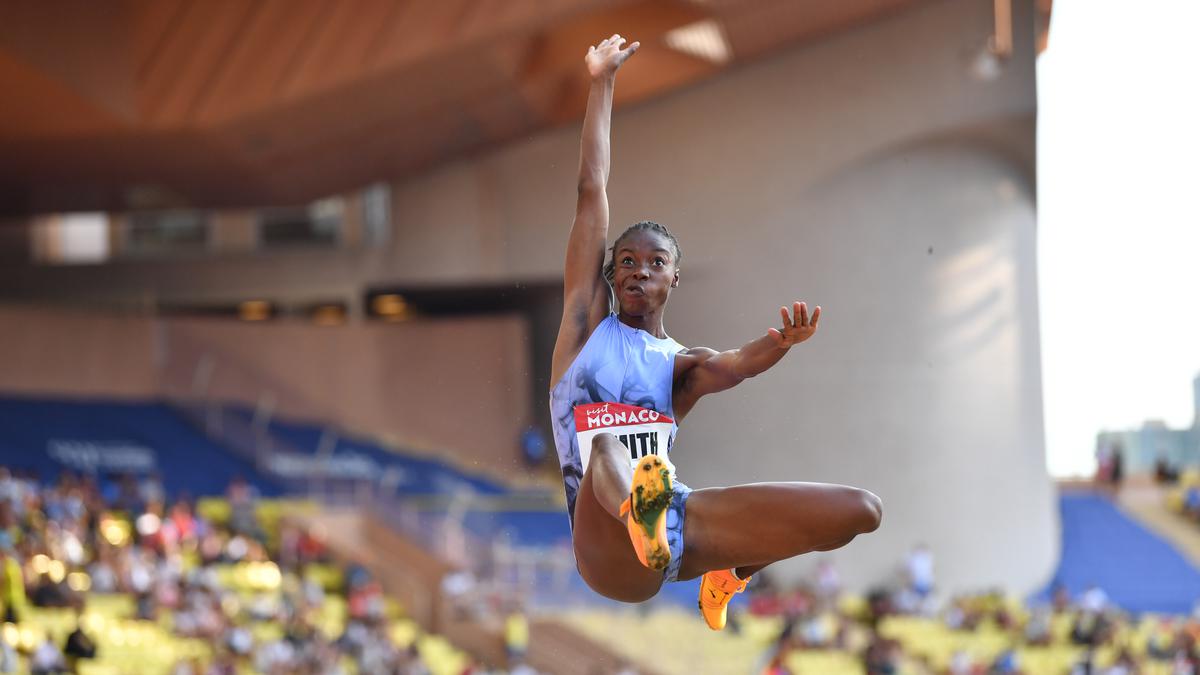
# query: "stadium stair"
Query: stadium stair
{"points": [[1152, 506], [413, 576], [1104, 547]]}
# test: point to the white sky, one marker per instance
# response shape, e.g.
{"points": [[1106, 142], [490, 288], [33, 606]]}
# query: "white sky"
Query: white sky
{"points": [[1118, 220]]}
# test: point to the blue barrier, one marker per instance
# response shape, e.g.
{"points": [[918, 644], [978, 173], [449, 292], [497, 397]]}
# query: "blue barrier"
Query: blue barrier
{"points": [[110, 439]]}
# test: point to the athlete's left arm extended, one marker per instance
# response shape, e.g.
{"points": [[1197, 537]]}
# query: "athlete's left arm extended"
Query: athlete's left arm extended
{"points": [[717, 371]]}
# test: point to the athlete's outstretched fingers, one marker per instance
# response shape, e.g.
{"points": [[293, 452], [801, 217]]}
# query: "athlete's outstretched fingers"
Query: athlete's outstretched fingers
{"points": [[802, 310], [816, 315], [787, 317]]}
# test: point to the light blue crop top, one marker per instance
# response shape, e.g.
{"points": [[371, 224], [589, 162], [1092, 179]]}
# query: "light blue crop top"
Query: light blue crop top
{"points": [[618, 364]]}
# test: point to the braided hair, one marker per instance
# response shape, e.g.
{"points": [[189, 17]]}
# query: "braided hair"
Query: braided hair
{"points": [[645, 225]]}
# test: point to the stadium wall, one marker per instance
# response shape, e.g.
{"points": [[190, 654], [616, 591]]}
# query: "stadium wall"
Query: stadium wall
{"points": [[50, 352], [431, 386]]}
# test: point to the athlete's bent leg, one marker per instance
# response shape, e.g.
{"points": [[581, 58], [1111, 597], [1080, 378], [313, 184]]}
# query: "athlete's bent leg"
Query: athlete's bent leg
{"points": [[611, 473], [748, 527], [606, 560]]}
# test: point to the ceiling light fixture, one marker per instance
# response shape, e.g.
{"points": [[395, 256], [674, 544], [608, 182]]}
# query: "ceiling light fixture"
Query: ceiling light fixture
{"points": [[254, 310], [703, 39], [389, 305], [329, 315]]}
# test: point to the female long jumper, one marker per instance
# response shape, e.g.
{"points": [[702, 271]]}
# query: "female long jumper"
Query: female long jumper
{"points": [[622, 385]]}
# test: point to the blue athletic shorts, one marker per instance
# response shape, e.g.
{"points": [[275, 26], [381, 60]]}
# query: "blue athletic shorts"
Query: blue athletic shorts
{"points": [[675, 516]]}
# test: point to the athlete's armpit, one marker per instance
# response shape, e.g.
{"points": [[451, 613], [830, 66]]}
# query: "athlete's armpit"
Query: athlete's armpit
{"points": [[700, 371]]}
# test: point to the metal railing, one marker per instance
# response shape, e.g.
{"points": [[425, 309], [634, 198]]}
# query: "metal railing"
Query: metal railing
{"points": [[541, 576]]}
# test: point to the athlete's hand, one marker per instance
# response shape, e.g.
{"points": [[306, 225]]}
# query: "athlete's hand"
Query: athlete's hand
{"points": [[797, 326], [605, 58]]}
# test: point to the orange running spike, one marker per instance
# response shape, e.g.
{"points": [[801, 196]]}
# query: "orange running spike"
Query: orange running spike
{"points": [[716, 590]]}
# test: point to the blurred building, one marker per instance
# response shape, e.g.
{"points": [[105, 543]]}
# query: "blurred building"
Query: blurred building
{"points": [[1143, 449]]}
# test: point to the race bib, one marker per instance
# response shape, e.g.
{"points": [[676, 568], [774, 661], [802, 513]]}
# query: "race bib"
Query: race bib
{"points": [[642, 431]]}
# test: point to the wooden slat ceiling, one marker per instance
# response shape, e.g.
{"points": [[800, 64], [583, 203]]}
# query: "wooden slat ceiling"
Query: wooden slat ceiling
{"points": [[162, 103]]}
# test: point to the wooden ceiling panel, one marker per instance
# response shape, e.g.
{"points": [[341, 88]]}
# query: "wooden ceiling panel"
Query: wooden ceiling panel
{"points": [[405, 102], [194, 51], [564, 46], [96, 61], [221, 102], [339, 51], [46, 108], [416, 30], [180, 167], [151, 24], [266, 52]]}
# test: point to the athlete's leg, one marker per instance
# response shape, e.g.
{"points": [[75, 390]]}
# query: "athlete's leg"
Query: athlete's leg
{"points": [[611, 473], [606, 559], [748, 527]]}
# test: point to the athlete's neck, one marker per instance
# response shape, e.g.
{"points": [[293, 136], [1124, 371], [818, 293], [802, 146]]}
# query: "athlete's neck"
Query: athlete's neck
{"points": [[651, 323]]}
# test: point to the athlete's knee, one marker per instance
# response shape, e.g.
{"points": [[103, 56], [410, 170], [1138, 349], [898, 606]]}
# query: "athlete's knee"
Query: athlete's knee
{"points": [[607, 444], [870, 508], [603, 440]]}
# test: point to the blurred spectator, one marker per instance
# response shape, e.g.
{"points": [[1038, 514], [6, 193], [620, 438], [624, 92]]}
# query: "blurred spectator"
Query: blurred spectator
{"points": [[1164, 472], [79, 644], [12, 586], [1006, 663], [188, 667], [516, 635], [64, 541], [457, 589], [365, 599], [828, 583], [50, 593], [919, 567], [1037, 630], [46, 659], [1090, 629], [1124, 665], [242, 497], [961, 663], [778, 663], [1094, 599], [881, 657], [128, 496], [1086, 665], [103, 572], [1060, 598], [1103, 462], [9, 661], [151, 489]]}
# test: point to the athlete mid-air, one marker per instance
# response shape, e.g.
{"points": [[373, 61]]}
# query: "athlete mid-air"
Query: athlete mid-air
{"points": [[621, 385]]}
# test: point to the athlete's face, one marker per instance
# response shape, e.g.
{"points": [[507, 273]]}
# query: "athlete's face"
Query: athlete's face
{"points": [[644, 271]]}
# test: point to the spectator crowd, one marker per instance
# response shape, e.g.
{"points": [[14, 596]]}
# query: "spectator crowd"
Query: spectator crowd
{"points": [[900, 629], [227, 591]]}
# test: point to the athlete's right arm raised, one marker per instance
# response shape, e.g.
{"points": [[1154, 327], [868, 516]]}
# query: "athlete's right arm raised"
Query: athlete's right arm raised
{"points": [[585, 292]]}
